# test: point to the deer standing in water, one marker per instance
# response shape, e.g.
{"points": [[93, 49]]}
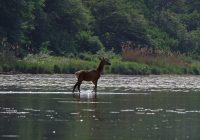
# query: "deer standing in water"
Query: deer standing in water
{"points": [[90, 75]]}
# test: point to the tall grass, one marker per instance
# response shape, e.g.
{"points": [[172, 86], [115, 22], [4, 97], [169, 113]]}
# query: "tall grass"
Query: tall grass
{"points": [[44, 63], [51, 64], [156, 57], [7, 61], [158, 61]]}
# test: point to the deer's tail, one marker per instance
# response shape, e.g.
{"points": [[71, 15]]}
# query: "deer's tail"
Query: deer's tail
{"points": [[77, 74]]}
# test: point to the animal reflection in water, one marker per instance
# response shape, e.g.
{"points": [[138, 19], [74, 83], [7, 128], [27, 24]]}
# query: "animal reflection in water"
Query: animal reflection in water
{"points": [[90, 75], [88, 109], [85, 94]]}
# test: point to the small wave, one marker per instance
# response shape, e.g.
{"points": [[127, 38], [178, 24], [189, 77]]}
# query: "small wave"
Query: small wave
{"points": [[127, 110], [33, 92], [114, 112], [84, 102], [14, 112], [88, 110], [10, 136]]}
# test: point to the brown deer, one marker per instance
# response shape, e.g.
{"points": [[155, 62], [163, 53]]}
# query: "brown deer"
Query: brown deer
{"points": [[90, 75]]}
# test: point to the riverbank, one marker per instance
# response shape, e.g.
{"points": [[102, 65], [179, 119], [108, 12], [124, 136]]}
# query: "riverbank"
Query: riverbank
{"points": [[41, 64]]}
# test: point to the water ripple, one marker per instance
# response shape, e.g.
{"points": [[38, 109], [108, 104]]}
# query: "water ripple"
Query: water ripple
{"points": [[110, 83]]}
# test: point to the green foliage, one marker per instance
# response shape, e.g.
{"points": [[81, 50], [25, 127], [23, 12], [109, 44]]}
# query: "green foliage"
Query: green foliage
{"points": [[178, 19], [89, 43], [117, 21], [62, 27], [128, 68], [107, 54], [160, 39], [44, 63], [58, 23], [16, 21]]}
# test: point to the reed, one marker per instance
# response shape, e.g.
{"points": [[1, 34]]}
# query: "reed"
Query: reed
{"points": [[153, 56], [56, 64]]}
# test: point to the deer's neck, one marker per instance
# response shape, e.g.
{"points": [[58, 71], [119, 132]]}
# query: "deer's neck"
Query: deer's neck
{"points": [[100, 67]]}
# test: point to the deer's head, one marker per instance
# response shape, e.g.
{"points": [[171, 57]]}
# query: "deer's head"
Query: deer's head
{"points": [[105, 61]]}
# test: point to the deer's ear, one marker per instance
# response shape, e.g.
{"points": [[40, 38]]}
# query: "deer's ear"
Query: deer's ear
{"points": [[106, 59]]}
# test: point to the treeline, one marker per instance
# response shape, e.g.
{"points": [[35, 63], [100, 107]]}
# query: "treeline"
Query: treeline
{"points": [[74, 26]]}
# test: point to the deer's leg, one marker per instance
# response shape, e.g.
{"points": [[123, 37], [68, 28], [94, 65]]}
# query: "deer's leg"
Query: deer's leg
{"points": [[95, 85], [79, 85], [75, 86]]}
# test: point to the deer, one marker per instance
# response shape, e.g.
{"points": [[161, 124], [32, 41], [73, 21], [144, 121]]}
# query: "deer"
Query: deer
{"points": [[90, 75]]}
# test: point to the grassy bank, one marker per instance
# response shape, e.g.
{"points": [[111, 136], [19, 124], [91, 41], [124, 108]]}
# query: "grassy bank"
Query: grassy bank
{"points": [[52, 64], [46, 64]]}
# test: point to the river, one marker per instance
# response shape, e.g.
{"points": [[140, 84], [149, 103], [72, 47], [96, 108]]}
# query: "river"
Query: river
{"points": [[42, 107]]}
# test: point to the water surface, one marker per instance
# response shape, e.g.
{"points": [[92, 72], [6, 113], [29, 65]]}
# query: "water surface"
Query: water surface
{"points": [[40, 107]]}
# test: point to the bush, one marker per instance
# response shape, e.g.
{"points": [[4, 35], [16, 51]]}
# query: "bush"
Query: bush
{"points": [[155, 70], [119, 67], [88, 42], [7, 67], [57, 69], [51, 64], [195, 70], [1, 69]]}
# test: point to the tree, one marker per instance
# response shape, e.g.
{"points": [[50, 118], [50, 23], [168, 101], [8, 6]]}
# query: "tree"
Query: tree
{"points": [[16, 20], [116, 21], [59, 22]]}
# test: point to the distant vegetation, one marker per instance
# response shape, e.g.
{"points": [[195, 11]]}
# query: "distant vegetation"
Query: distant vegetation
{"points": [[51, 36], [44, 63]]}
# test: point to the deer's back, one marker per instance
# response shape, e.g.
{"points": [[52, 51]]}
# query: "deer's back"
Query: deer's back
{"points": [[87, 75]]}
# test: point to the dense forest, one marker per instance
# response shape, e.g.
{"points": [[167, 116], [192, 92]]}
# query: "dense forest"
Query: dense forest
{"points": [[71, 26], [62, 36]]}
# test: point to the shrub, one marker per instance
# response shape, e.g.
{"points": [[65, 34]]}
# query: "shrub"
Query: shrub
{"points": [[57, 69], [195, 70], [88, 42], [120, 67], [155, 70]]}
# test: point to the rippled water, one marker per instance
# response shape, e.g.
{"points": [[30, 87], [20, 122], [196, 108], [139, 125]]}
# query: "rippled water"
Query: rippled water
{"points": [[37, 107], [111, 83]]}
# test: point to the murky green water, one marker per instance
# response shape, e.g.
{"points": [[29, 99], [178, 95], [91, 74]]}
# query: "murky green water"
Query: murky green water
{"points": [[42, 107]]}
